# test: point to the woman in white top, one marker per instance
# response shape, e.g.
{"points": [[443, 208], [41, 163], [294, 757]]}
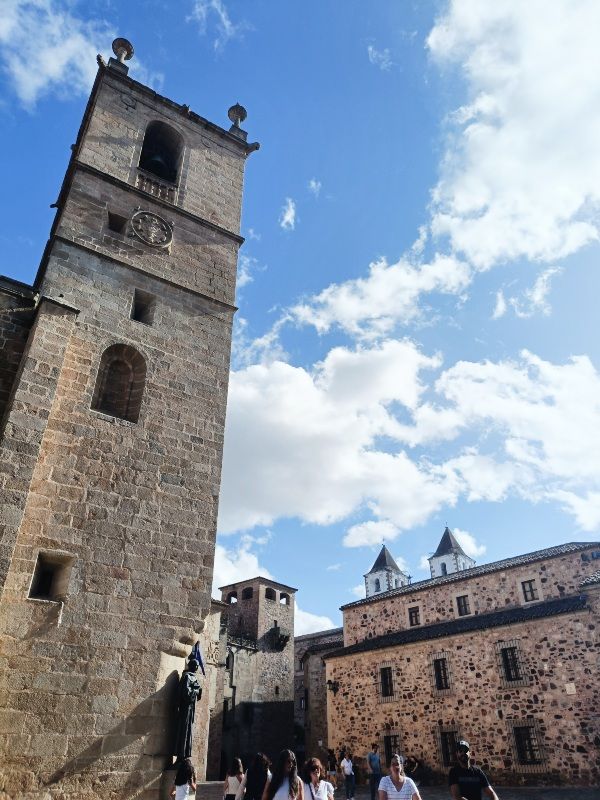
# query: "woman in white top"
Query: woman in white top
{"points": [[396, 786], [315, 788], [233, 780], [185, 781], [284, 783]]}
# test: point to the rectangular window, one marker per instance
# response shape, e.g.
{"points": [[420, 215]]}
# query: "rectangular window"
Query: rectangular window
{"points": [[414, 616], [390, 746], [387, 682], [462, 605], [116, 222], [510, 664], [529, 591], [527, 744], [302, 704], [142, 310], [448, 741], [51, 576], [440, 669]]}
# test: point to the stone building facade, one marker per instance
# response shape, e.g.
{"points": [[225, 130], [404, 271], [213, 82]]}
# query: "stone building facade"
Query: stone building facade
{"points": [[113, 389], [255, 708], [310, 690], [505, 655]]}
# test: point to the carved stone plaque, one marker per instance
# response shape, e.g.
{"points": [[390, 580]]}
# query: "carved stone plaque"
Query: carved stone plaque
{"points": [[151, 229]]}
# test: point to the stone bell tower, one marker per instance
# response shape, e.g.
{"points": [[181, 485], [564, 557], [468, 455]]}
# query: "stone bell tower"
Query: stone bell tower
{"points": [[112, 399]]}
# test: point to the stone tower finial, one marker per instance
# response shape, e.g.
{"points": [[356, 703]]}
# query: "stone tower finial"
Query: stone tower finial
{"points": [[123, 49]]}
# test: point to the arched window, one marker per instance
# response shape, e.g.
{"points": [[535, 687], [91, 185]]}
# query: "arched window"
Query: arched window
{"points": [[120, 382], [397, 583], [247, 593], [284, 599], [231, 598], [161, 151], [377, 585], [270, 594], [444, 568]]}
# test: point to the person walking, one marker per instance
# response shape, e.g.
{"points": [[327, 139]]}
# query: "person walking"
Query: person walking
{"points": [[374, 766], [396, 786], [233, 780], [185, 780], [315, 785], [332, 767], [466, 781], [348, 773], [284, 783], [255, 779]]}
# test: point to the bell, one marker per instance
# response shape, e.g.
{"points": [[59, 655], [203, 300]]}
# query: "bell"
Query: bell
{"points": [[158, 166]]}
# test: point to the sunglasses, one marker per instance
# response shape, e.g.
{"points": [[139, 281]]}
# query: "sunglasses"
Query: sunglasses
{"points": [[315, 769]]}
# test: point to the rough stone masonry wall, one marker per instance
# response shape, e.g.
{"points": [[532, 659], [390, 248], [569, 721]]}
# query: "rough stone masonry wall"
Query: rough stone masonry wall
{"points": [[561, 657], [555, 577], [16, 318], [88, 687]]}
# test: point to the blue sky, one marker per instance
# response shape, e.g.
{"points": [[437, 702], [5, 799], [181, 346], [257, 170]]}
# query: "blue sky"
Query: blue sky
{"points": [[416, 342]]}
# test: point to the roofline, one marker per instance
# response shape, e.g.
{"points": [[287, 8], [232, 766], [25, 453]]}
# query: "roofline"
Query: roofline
{"points": [[257, 578], [330, 631], [479, 569], [463, 625]]}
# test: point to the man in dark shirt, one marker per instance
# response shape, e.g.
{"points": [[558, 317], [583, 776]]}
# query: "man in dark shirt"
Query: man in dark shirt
{"points": [[466, 781]]}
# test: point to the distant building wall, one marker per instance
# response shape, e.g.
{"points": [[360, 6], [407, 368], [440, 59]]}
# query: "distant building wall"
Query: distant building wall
{"points": [[518, 679]]}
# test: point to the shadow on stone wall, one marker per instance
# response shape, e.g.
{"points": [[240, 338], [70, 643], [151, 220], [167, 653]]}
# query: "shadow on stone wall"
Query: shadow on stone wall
{"points": [[148, 719]]}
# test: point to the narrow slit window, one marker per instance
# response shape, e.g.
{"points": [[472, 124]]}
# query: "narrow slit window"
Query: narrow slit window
{"points": [[386, 682], [143, 306], [440, 668]]}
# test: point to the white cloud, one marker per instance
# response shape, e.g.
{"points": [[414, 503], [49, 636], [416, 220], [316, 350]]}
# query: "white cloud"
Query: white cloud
{"points": [[44, 48], [370, 533], [358, 590], [216, 11], [403, 564], [380, 58], [373, 306], [305, 622], [535, 300], [287, 218], [468, 543], [247, 268], [521, 173], [232, 565], [424, 564], [337, 434], [500, 307], [252, 234], [293, 434], [334, 568], [314, 186]]}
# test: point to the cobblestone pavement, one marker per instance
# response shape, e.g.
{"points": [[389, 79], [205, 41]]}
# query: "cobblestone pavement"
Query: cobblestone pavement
{"points": [[214, 791], [503, 792]]}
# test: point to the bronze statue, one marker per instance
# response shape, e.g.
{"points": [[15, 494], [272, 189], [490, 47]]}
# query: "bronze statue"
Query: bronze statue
{"points": [[189, 691]]}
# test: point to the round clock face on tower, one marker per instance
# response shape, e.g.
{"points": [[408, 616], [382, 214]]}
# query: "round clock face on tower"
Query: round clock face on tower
{"points": [[151, 229]]}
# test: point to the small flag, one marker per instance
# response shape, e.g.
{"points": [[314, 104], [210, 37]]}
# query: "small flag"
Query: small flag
{"points": [[197, 654]]}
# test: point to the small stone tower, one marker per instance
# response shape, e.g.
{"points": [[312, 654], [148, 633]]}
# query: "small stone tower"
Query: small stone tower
{"points": [[384, 575], [449, 557], [258, 702], [111, 442]]}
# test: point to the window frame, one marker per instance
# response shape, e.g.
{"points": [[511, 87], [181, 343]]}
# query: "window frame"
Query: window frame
{"points": [[390, 685], [536, 741], [445, 672], [416, 608], [447, 752], [514, 646]]}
